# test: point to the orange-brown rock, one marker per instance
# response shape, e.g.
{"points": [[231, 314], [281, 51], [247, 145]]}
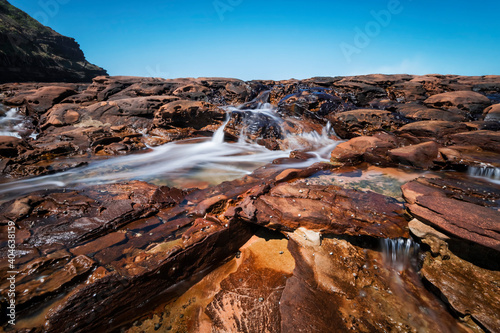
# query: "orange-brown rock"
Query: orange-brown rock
{"points": [[42, 99], [326, 209], [492, 113], [487, 140], [421, 112], [87, 253], [345, 285], [471, 102], [363, 148], [421, 155], [61, 115], [187, 114], [446, 270], [450, 277], [349, 124], [432, 129], [467, 210]]}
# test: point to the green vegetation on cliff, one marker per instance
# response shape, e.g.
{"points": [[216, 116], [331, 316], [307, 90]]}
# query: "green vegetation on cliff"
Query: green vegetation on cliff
{"points": [[30, 51]]}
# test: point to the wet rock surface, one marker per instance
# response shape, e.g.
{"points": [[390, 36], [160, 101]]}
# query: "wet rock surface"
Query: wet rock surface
{"points": [[458, 219], [291, 246], [464, 209], [450, 276]]}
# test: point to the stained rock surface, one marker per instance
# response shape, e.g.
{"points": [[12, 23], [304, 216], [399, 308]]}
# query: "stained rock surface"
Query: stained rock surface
{"points": [[458, 221], [464, 209]]}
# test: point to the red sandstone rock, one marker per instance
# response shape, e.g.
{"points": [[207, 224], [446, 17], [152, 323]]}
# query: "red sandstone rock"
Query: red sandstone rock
{"points": [[61, 115], [328, 209], [451, 276], [419, 156], [342, 285], [433, 129], [420, 112], [107, 246], [469, 219], [471, 102], [349, 124], [42, 99], [492, 113], [487, 140], [187, 114], [362, 148]]}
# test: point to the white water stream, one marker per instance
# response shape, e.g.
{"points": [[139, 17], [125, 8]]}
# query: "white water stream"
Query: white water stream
{"points": [[399, 252], [11, 123], [487, 172], [189, 162]]}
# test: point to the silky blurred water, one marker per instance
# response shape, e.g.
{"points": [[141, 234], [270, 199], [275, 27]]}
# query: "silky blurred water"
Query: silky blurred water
{"points": [[189, 163], [11, 123]]}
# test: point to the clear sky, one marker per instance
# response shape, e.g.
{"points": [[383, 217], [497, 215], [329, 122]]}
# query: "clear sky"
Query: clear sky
{"points": [[267, 39]]}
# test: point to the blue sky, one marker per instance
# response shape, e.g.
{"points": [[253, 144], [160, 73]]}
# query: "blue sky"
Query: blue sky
{"points": [[257, 39]]}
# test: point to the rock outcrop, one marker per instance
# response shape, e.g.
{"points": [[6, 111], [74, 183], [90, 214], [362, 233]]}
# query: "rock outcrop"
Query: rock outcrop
{"points": [[457, 220]]}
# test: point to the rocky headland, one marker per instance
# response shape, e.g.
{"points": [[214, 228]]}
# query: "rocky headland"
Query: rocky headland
{"points": [[30, 51], [396, 230]]}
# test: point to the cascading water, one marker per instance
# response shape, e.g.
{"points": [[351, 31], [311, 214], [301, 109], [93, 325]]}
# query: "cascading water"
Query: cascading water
{"points": [[218, 137], [400, 253], [11, 123], [185, 163], [488, 172]]}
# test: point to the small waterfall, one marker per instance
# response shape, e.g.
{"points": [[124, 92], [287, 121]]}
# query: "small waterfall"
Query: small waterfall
{"points": [[400, 252], [189, 162], [219, 134], [485, 171], [11, 123]]}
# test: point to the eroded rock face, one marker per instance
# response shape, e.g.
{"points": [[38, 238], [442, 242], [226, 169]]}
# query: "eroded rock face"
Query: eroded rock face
{"points": [[492, 113], [487, 140], [470, 102], [75, 120], [187, 114], [313, 103], [327, 209], [346, 285], [364, 122], [281, 285], [421, 155], [418, 112], [39, 100], [362, 148], [103, 244], [465, 209], [456, 219], [450, 276], [433, 129]]}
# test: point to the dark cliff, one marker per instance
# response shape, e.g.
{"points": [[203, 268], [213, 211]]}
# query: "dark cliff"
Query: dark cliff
{"points": [[30, 51]]}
